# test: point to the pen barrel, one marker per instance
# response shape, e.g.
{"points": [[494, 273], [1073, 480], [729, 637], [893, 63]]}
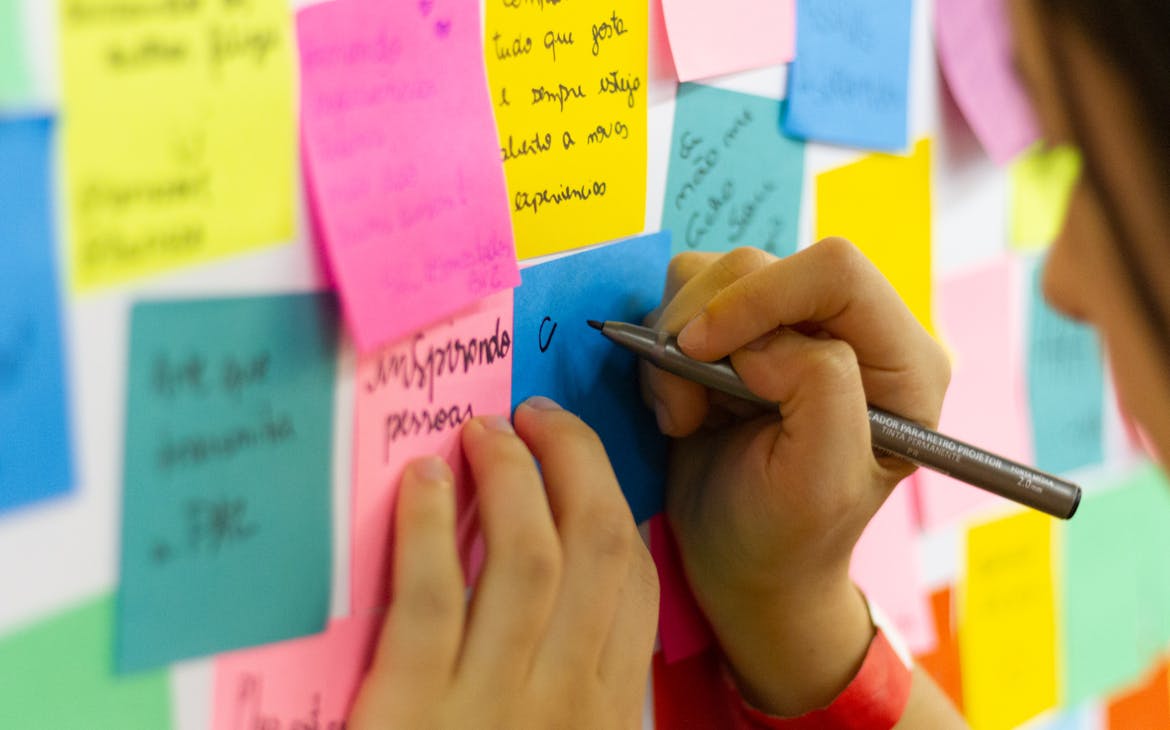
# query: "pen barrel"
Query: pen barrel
{"points": [[1017, 482]]}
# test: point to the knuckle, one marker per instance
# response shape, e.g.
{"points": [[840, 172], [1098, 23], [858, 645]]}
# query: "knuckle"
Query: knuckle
{"points": [[683, 267], [429, 599], [609, 533], [843, 258], [743, 260], [832, 360], [534, 561]]}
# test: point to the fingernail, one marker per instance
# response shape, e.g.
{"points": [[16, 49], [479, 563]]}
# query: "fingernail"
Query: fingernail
{"points": [[760, 343], [694, 334], [432, 470], [665, 423], [540, 403], [497, 423]]}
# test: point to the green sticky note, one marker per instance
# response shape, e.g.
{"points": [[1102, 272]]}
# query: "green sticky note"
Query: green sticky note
{"points": [[226, 508], [15, 81], [1041, 183], [59, 674], [1153, 513], [1102, 642]]}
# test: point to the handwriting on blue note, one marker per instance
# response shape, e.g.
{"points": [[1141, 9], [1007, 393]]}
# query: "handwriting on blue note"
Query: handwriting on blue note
{"points": [[1066, 389], [556, 354], [226, 509], [35, 457], [849, 82], [734, 179]]}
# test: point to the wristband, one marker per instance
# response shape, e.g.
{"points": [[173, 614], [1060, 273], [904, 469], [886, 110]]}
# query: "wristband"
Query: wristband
{"points": [[874, 699]]}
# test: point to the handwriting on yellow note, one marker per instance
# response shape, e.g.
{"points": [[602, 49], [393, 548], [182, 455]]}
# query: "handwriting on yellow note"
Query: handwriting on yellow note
{"points": [[568, 86], [179, 133]]}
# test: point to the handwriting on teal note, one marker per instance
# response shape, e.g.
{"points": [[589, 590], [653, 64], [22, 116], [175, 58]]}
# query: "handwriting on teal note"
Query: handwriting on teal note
{"points": [[734, 179], [59, 673], [1066, 389], [556, 354], [226, 518], [848, 83], [35, 458], [15, 80]]}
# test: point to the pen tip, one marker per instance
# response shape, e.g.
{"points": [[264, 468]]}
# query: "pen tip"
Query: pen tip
{"points": [[595, 324]]}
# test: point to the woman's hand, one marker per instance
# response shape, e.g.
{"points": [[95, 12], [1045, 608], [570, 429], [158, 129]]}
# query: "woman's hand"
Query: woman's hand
{"points": [[561, 627], [767, 509]]}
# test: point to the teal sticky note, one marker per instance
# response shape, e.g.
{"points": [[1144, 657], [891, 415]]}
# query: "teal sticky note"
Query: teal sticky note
{"points": [[734, 179], [226, 508], [557, 355], [15, 79], [35, 452], [1103, 607], [59, 673], [849, 81], [1066, 388]]}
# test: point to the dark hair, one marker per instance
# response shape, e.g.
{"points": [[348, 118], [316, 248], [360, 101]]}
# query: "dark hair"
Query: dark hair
{"points": [[1131, 35]]}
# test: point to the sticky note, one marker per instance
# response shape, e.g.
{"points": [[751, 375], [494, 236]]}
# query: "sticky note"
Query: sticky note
{"points": [[975, 52], [412, 399], [59, 673], [402, 156], [1066, 388], [180, 142], [1041, 184], [227, 479], [683, 631], [1146, 705], [568, 86], [889, 541], [1147, 525], [1105, 607], [980, 312], [712, 40], [734, 179], [1007, 637], [15, 79], [848, 82], [882, 204], [302, 683], [942, 662], [559, 356], [35, 453]]}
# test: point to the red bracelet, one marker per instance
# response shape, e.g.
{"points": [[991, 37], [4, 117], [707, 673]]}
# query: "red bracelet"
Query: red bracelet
{"points": [[874, 700]]}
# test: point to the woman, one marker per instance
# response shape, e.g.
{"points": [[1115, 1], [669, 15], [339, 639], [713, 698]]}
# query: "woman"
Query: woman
{"points": [[767, 511]]}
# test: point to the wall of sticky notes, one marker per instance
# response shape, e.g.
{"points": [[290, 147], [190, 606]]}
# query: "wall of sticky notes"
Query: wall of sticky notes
{"points": [[255, 255]]}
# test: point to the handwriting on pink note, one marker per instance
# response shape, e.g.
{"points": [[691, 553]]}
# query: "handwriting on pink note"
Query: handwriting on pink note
{"points": [[412, 400], [403, 157]]}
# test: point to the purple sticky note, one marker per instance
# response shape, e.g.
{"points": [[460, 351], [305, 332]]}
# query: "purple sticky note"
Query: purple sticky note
{"points": [[974, 50], [407, 184]]}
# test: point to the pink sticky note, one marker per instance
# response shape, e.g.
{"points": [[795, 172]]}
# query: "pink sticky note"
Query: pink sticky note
{"points": [[308, 682], [978, 313], [412, 399], [709, 39], [885, 567], [407, 182], [974, 50], [682, 630]]}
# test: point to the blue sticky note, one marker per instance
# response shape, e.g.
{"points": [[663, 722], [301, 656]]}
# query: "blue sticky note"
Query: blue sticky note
{"points": [[556, 354], [848, 84], [226, 508], [734, 179], [35, 458], [1066, 388]]}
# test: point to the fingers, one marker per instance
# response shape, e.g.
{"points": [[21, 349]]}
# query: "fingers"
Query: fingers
{"points": [[834, 287], [629, 648], [522, 571], [692, 279], [420, 640], [597, 532]]}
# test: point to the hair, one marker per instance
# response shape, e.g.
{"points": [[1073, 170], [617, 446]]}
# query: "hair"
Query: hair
{"points": [[1131, 35]]}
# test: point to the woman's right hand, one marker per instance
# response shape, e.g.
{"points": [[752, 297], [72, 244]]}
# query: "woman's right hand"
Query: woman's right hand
{"points": [[560, 630], [766, 509]]}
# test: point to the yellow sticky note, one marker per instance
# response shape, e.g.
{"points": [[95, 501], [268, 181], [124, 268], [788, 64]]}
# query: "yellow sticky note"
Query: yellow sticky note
{"points": [[882, 204], [1007, 632], [568, 83], [179, 136], [1041, 183]]}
